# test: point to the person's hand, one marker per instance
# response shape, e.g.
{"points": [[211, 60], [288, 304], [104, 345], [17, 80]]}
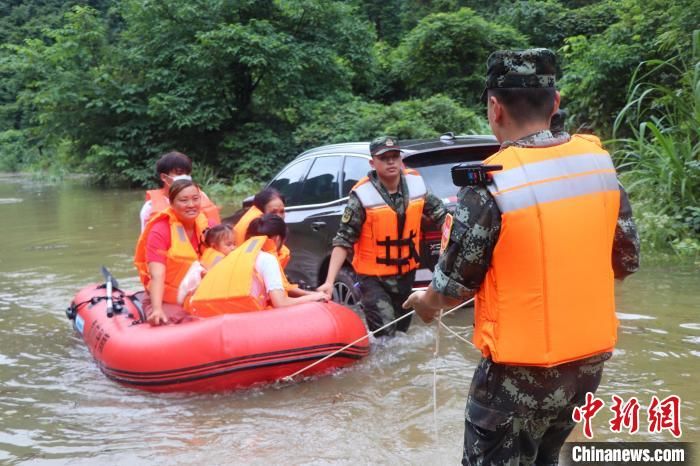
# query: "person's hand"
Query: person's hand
{"points": [[415, 301], [157, 317], [326, 289], [319, 296]]}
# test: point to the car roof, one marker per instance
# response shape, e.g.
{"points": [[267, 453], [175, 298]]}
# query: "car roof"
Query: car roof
{"points": [[408, 147]]}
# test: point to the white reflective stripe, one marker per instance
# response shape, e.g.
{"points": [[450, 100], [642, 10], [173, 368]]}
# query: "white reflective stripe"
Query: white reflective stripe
{"points": [[551, 168], [416, 186], [368, 195], [562, 188], [181, 233], [253, 244]]}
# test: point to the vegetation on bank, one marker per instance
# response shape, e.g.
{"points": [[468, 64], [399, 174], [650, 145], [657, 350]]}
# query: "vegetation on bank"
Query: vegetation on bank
{"points": [[106, 86], [659, 159]]}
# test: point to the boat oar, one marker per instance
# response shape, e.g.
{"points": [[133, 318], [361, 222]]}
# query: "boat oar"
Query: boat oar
{"points": [[110, 284]]}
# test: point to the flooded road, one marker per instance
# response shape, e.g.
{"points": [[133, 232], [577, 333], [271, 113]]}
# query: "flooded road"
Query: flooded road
{"points": [[56, 407]]}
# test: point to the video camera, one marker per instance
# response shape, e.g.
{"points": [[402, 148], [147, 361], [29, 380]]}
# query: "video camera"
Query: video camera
{"points": [[472, 173]]}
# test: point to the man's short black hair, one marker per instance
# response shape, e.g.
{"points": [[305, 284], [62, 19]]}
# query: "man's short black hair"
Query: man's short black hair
{"points": [[173, 161], [526, 104]]}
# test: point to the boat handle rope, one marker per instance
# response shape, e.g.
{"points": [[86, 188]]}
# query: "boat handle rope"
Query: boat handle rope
{"points": [[290, 378], [72, 310], [137, 304]]}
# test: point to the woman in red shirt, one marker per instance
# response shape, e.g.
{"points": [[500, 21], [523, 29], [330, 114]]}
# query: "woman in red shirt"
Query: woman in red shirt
{"points": [[167, 248]]}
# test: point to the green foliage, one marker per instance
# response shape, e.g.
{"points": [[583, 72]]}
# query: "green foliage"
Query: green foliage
{"points": [[242, 86], [665, 235], [256, 150], [229, 191], [426, 118], [548, 22], [383, 14], [219, 80], [598, 68], [21, 21], [433, 58], [335, 121], [15, 152], [660, 161]]}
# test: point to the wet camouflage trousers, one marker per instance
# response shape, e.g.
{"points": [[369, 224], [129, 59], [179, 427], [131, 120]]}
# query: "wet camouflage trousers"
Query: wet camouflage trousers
{"points": [[382, 299], [522, 415]]}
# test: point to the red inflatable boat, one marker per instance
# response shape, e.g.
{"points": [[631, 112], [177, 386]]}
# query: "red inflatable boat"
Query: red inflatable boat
{"points": [[216, 353]]}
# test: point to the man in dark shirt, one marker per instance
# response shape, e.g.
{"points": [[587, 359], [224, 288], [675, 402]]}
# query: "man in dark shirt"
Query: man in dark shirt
{"points": [[520, 401]]}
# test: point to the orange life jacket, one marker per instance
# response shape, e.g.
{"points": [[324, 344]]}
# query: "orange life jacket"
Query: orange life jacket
{"points": [[548, 296], [240, 229], [233, 285], [389, 245], [160, 202], [179, 257], [210, 257]]}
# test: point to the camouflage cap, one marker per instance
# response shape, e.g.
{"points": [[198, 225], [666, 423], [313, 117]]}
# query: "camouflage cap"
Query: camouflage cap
{"points": [[383, 144], [509, 69]]}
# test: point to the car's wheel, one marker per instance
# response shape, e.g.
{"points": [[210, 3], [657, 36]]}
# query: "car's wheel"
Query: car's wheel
{"points": [[345, 290]]}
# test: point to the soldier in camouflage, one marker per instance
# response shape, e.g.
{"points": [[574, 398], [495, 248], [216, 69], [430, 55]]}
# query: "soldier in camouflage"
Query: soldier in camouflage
{"points": [[515, 414], [382, 295]]}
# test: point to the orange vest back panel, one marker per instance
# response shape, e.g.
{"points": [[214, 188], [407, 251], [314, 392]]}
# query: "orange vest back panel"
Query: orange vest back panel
{"points": [[229, 287], [240, 229], [210, 257], [179, 257], [548, 296], [381, 249]]}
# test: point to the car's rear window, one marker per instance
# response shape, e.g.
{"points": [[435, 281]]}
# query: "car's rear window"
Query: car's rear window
{"points": [[435, 167], [439, 180]]}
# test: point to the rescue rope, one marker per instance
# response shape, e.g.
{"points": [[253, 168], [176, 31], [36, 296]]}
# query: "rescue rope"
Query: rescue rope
{"points": [[364, 337], [460, 337], [436, 353]]}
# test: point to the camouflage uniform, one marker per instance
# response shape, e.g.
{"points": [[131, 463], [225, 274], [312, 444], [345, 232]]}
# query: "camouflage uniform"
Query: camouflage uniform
{"points": [[382, 296], [519, 414]]}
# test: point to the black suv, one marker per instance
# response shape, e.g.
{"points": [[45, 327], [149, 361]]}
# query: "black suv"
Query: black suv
{"points": [[316, 185]]}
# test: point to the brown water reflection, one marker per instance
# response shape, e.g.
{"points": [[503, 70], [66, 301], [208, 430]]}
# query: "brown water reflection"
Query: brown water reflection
{"points": [[56, 407]]}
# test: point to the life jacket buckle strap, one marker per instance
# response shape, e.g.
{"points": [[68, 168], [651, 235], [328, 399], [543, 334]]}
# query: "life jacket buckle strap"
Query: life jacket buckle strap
{"points": [[409, 242], [389, 261]]}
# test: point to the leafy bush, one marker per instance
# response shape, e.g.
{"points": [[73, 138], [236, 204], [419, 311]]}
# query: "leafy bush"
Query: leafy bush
{"points": [[15, 151], [660, 161], [548, 22], [598, 68], [664, 235], [446, 54], [353, 119]]}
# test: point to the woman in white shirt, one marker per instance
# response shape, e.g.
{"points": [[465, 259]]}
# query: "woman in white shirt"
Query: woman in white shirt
{"points": [[268, 277]]}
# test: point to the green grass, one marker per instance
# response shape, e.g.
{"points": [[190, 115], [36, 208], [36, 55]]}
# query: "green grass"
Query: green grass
{"points": [[659, 162]]}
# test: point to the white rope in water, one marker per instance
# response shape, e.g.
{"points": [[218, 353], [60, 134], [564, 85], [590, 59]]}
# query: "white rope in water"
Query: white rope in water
{"points": [[460, 337], [436, 353], [304, 369]]}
